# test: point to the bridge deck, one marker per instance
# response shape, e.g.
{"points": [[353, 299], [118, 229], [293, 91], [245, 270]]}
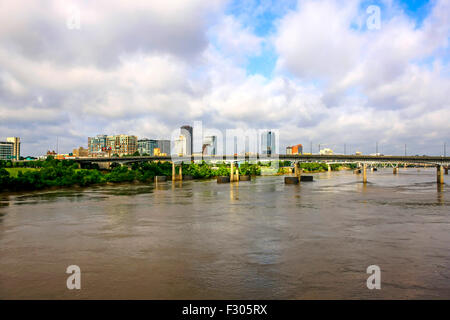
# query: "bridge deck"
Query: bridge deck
{"points": [[301, 158]]}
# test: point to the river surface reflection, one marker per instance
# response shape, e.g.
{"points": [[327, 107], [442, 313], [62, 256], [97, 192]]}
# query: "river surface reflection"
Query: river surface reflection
{"points": [[253, 240]]}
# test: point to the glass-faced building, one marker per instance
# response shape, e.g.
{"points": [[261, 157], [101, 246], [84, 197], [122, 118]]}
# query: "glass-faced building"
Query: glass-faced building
{"points": [[187, 133], [146, 146], [97, 144], [268, 143], [164, 146], [6, 150], [209, 147]]}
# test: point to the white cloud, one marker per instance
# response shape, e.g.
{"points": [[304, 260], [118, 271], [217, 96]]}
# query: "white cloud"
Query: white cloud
{"points": [[147, 67]]}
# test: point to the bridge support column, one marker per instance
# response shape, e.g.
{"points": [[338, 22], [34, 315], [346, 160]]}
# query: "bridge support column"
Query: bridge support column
{"points": [[395, 170], [232, 171], [446, 170], [173, 172], [440, 174], [237, 174], [329, 168], [365, 173], [181, 172]]}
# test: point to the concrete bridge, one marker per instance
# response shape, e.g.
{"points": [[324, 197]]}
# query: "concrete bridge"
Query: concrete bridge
{"points": [[364, 161]]}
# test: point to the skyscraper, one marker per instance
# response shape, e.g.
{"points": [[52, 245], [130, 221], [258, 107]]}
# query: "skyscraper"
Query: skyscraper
{"points": [[16, 147], [164, 146], [209, 146], [187, 132], [268, 143]]}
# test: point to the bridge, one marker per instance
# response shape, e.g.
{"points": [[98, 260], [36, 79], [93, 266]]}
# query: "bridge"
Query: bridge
{"points": [[441, 163], [433, 160]]}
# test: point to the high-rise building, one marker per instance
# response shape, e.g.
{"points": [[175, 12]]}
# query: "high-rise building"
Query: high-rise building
{"points": [[118, 144], [146, 146], [209, 146], [122, 144], [187, 132], [6, 150], [16, 142], [268, 143], [97, 145], [164, 146], [180, 146]]}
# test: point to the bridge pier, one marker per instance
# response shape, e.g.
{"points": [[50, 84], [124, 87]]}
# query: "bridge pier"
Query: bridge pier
{"points": [[297, 171], [329, 168], [446, 170], [395, 170], [365, 173], [440, 175], [232, 171], [173, 172]]}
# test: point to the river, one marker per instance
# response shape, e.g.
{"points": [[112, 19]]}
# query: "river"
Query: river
{"points": [[253, 240]]}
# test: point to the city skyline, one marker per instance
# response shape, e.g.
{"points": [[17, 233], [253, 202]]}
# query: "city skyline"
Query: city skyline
{"points": [[230, 64]]}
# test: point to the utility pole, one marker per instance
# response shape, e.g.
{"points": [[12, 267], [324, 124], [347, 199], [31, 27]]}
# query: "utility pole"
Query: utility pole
{"points": [[345, 149], [405, 149], [445, 149], [376, 149], [311, 147], [319, 148], [57, 145]]}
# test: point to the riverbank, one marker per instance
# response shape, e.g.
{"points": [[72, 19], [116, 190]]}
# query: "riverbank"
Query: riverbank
{"points": [[54, 173]]}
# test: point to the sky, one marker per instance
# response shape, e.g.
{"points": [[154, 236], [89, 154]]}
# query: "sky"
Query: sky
{"points": [[322, 72]]}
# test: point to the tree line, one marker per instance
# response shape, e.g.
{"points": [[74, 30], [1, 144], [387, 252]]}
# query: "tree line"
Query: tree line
{"points": [[65, 173]]}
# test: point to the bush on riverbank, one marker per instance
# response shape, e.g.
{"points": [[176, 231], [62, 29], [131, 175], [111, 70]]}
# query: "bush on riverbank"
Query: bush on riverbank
{"points": [[65, 173]]}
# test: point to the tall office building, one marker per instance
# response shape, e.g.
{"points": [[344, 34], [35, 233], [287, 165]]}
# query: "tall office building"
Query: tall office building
{"points": [[180, 146], [164, 146], [187, 132], [146, 146], [209, 147], [6, 150], [268, 143], [16, 142]]}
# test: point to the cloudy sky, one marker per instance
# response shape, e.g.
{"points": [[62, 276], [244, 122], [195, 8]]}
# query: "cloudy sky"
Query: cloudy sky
{"points": [[320, 71]]}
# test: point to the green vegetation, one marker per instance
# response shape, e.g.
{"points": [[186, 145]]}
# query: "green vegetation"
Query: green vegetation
{"points": [[31, 175], [14, 172], [316, 167]]}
